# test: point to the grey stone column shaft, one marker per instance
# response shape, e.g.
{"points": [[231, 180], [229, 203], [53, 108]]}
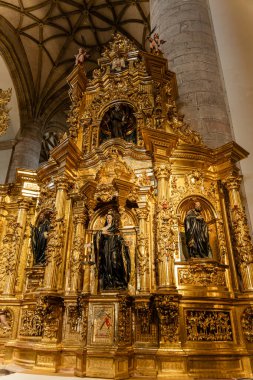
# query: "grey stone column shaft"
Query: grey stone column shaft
{"points": [[190, 48], [26, 152]]}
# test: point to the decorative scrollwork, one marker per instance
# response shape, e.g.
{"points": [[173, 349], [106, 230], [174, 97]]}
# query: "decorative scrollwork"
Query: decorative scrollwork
{"points": [[242, 240], [124, 322], [31, 323], [202, 274], [247, 324], [168, 314]]}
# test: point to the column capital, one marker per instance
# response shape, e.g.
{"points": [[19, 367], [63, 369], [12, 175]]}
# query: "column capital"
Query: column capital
{"points": [[233, 182], [142, 213], [63, 182], [162, 170], [24, 203]]}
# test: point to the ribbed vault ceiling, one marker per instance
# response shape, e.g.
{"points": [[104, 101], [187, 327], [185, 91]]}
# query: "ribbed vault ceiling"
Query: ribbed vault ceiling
{"points": [[45, 36]]}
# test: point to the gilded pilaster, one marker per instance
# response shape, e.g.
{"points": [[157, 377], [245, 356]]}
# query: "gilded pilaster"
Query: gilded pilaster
{"points": [[241, 235], [14, 239], [143, 250], [56, 234], [167, 241], [77, 251]]}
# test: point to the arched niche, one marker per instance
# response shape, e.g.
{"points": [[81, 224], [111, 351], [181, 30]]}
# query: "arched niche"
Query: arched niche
{"points": [[118, 121], [209, 215], [128, 228]]}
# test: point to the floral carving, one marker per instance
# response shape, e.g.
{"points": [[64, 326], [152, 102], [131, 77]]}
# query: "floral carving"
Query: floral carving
{"points": [[144, 313], [208, 325], [31, 323], [9, 248], [46, 198], [168, 314], [242, 240], [167, 230], [247, 324], [55, 240], [49, 310], [124, 322], [202, 274], [142, 254]]}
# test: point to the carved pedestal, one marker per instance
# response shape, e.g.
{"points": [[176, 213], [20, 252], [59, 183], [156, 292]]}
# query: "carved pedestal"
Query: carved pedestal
{"points": [[109, 336]]}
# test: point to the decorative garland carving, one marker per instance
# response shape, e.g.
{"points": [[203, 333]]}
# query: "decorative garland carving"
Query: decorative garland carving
{"points": [[31, 323], [55, 240], [9, 248], [46, 198], [208, 326], [142, 253], [247, 324], [168, 314], [202, 274], [242, 240], [167, 230], [49, 309], [124, 322], [144, 313]]}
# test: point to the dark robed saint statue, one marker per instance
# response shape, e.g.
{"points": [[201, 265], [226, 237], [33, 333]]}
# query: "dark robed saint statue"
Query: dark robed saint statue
{"points": [[112, 255], [39, 241], [196, 232]]}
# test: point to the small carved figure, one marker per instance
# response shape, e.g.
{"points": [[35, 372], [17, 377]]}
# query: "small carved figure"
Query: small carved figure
{"points": [[155, 43], [196, 231], [118, 64], [81, 56], [39, 241], [112, 255], [3, 320]]}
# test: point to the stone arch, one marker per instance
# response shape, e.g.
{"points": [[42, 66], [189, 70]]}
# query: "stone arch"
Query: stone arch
{"points": [[16, 60]]}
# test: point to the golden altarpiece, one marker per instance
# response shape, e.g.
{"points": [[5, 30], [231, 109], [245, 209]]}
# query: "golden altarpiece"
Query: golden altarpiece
{"points": [[130, 154]]}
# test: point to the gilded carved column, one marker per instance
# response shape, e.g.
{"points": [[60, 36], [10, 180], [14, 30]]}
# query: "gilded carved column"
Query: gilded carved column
{"points": [[77, 252], [56, 234], [241, 236], [14, 239], [167, 237], [143, 250], [162, 172]]}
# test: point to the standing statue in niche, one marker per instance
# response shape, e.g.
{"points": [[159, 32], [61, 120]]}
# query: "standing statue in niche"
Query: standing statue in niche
{"points": [[118, 122], [112, 255], [196, 232], [39, 241]]}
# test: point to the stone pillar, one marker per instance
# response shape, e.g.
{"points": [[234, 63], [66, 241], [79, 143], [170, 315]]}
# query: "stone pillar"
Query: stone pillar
{"points": [[190, 48], [26, 153], [142, 250], [242, 243], [16, 239]]}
